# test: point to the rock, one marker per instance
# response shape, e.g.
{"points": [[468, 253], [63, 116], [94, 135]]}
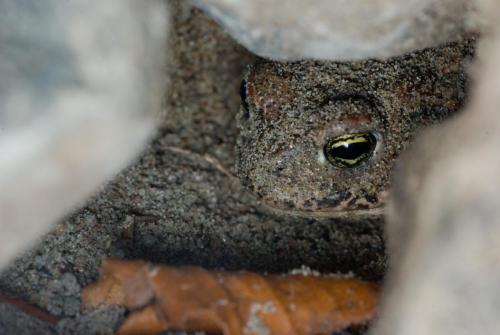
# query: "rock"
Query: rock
{"points": [[342, 30], [79, 88], [444, 224]]}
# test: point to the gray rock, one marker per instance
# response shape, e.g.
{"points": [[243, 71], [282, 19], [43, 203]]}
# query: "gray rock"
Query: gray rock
{"points": [[444, 224], [340, 29], [79, 88]]}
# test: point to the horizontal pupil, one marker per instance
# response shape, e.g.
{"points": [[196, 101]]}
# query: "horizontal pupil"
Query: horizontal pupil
{"points": [[351, 151]]}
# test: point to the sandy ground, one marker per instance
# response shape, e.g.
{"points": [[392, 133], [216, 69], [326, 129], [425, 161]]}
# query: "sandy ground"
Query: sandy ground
{"points": [[181, 203]]}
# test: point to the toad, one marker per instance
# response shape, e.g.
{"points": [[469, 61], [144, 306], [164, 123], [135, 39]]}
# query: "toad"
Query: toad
{"points": [[319, 136]]}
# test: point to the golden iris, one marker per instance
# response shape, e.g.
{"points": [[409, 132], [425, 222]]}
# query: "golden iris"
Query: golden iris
{"points": [[349, 150]]}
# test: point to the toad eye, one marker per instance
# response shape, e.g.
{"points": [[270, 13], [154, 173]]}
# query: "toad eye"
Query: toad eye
{"points": [[349, 150]]}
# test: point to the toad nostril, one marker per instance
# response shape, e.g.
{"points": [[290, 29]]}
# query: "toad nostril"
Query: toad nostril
{"points": [[349, 150]]}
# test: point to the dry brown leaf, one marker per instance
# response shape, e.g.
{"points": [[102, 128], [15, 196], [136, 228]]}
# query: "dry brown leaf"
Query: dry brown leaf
{"points": [[231, 303]]}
